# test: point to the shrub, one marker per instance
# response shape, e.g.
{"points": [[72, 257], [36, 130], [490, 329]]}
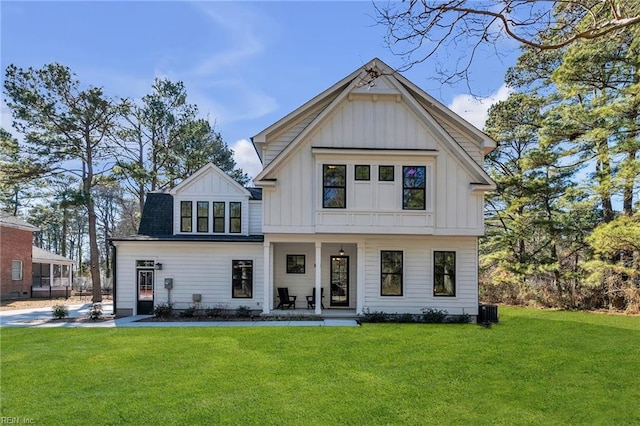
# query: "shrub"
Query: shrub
{"points": [[219, 310], [95, 311], [189, 312], [163, 310], [464, 318], [243, 311], [433, 316], [60, 311], [374, 316], [403, 318]]}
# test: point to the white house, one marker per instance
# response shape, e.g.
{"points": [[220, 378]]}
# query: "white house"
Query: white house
{"points": [[371, 194]]}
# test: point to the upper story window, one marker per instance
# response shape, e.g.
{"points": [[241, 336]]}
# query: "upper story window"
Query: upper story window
{"points": [[186, 213], [203, 216], [413, 187], [334, 189], [218, 216], [362, 172], [235, 217], [444, 273], [386, 173]]}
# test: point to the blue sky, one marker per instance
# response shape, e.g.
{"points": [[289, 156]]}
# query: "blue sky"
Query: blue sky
{"points": [[245, 64]]}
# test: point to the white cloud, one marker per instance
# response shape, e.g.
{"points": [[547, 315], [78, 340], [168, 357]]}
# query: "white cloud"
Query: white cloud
{"points": [[476, 110], [246, 157]]}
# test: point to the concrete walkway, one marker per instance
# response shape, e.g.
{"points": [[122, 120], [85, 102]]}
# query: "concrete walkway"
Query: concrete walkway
{"points": [[39, 318]]}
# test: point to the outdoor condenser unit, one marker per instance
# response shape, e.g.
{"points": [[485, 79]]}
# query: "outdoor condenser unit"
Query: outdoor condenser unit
{"points": [[487, 313]]}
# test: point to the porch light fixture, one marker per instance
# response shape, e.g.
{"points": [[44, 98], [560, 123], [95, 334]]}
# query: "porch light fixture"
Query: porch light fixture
{"points": [[158, 266], [341, 252]]}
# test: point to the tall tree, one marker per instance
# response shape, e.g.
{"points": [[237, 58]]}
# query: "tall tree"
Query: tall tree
{"points": [[163, 142], [419, 30], [65, 129]]}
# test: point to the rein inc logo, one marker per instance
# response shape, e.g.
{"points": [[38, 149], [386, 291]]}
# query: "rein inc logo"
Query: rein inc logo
{"points": [[7, 420]]}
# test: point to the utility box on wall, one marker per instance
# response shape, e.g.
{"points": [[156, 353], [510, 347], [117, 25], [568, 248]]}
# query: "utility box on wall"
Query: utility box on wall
{"points": [[168, 283], [197, 297]]}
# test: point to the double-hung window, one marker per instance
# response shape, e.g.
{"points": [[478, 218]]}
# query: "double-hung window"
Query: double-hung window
{"points": [[203, 216], [391, 271], [218, 216], [334, 186], [186, 212], [242, 279], [444, 273], [413, 187], [235, 217], [16, 270]]}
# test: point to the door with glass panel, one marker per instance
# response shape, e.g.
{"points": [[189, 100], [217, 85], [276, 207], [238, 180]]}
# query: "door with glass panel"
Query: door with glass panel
{"points": [[145, 286], [339, 281]]}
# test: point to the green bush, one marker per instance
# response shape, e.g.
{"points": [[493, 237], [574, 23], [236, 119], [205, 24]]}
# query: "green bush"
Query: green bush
{"points": [[374, 316], [433, 316], [190, 312], [60, 311], [243, 311], [163, 310]]}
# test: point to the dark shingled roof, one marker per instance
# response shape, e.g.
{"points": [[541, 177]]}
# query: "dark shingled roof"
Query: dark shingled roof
{"points": [[256, 193], [157, 217], [157, 222]]}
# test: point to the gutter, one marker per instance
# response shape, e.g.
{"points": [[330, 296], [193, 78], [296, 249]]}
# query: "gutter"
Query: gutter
{"points": [[114, 275]]}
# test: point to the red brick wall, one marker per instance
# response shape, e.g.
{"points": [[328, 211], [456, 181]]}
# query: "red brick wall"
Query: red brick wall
{"points": [[15, 244]]}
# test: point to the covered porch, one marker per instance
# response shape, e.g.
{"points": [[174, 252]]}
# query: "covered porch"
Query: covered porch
{"points": [[331, 266], [52, 274]]}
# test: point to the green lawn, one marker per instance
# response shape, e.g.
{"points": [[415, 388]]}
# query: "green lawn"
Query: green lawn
{"points": [[535, 367]]}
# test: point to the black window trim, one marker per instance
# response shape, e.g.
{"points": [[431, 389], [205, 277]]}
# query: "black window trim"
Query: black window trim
{"points": [[355, 172], [455, 273], [213, 212], [424, 188], [324, 204], [234, 280], [190, 216], [393, 174], [198, 217], [401, 274], [238, 218]]}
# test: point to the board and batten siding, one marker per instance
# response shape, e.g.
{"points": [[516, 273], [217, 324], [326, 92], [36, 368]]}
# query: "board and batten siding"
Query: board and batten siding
{"points": [[196, 268], [255, 217], [294, 205], [418, 275]]}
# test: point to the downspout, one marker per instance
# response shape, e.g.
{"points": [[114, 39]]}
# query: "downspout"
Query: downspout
{"points": [[114, 275]]}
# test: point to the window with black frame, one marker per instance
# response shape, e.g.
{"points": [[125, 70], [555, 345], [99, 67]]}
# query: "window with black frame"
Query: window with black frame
{"points": [[186, 212], [242, 279], [444, 273], [334, 189], [413, 187], [202, 221], [235, 217], [391, 272], [218, 216]]}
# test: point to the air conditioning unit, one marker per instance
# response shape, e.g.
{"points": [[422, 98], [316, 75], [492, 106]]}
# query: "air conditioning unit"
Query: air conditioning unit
{"points": [[487, 313]]}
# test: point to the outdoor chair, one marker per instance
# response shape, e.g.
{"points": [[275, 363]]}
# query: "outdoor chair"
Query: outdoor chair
{"points": [[311, 300], [286, 301]]}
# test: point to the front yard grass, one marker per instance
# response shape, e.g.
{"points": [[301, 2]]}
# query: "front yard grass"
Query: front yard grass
{"points": [[535, 367]]}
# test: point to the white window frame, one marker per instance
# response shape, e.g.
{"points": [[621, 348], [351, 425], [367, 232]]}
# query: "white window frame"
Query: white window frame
{"points": [[16, 273]]}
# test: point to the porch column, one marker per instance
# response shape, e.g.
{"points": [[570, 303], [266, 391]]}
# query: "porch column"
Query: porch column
{"points": [[360, 278], [318, 278], [267, 285]]}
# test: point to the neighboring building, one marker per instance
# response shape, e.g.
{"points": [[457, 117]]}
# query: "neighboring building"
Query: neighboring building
{"points": [[52, 274], [16, 239], [372, 194], [27, 270]]}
